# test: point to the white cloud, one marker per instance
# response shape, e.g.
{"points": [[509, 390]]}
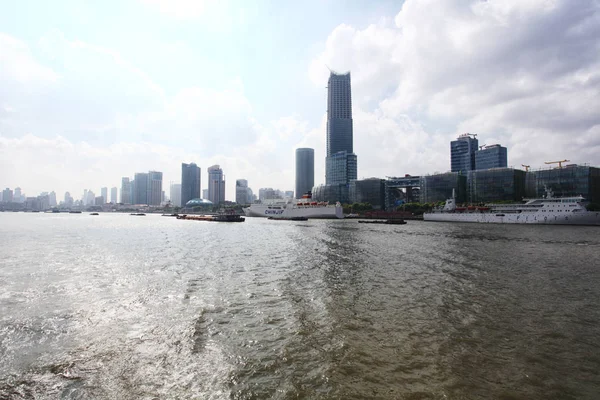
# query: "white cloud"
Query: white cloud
{"points": [[522, 73]]}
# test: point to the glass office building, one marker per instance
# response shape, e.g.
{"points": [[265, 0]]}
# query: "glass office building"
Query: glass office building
{"points": [[572, 180], [341, 168], [494, 156], [462, 153], [305, 171], [497, 184], [370, 191], [436, 188]]}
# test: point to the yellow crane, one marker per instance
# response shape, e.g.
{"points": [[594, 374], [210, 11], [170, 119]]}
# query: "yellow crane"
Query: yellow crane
{"points": [[557, 162], [526, 167]]}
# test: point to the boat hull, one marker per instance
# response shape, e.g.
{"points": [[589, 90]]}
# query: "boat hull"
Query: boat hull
{"points": [[582, 218], [325, 212]]}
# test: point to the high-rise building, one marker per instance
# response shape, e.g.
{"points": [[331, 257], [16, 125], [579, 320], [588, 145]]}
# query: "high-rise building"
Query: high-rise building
{"points": [[494, 156], [190, 183], [17, 196], [205, 194], [52, 199], [68, 199], [216, 184], [305, 170], [175, 194], [241, 192], [462, 153], [341, 164], [154, 188], [104, 194], [140, 188], [113, 195], [7, 196], [126, 193]]}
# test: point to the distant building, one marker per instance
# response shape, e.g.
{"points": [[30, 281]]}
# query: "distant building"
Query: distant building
{"points": [[216, 184], [190, 183], [68, 199], [289, 194], [269, 194], [18, 196], [104, 193], [98, 201], [7, 196], [154, 188], [462, 153], [52, 199], [494, 156], [241, 192], [113, 195], [175, 194], [126, 193], [305, 171], [140, 188], [205, 193]]}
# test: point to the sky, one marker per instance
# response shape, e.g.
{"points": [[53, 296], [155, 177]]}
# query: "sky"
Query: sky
{"points": [[94, 91]]}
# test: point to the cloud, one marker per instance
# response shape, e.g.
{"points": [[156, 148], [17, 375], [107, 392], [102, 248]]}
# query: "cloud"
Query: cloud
{"points": [[523, 73]]}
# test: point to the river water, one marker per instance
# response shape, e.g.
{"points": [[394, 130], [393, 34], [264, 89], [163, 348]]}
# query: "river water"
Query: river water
{"points": [[123, 307]]}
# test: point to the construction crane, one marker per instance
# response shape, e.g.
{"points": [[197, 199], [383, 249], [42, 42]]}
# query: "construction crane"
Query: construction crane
{"points": [[481, 147], [526, 167], [557, 162]]}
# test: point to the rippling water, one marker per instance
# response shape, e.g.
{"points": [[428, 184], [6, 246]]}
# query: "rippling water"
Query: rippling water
{"points": [[116, 306]]}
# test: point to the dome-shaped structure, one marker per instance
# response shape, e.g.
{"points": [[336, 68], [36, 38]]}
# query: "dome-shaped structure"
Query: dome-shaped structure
{"points": [[198, 202]]}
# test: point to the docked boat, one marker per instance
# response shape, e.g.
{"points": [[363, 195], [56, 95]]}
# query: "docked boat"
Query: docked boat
{"points": [[549, 210], [223, 216], [292, 208]]}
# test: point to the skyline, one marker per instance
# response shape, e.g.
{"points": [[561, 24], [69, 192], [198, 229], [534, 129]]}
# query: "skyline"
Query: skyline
{"points": [[243, 86]]}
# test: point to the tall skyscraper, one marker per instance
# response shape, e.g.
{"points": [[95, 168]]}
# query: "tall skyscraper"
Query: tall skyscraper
{"points": [[175, 194], [462, 153], [305, 171], [140, 188], [190, 183], [17, 196], [52, 199], [154, 188], [241, 192], [113, 195], [205, 194], [68, 199], [104, 194], [7, 196], [216, 184], [126, 197], [339, 131], [493, 156]]}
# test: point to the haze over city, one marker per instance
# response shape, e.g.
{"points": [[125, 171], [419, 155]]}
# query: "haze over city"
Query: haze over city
{"points": [[90, 93]]}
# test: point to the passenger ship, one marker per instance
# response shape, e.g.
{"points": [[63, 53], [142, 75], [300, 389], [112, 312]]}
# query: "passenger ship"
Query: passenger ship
{"points": [[548, 210], [287, 209]]}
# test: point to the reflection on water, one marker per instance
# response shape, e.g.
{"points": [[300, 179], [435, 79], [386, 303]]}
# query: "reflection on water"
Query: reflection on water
{"points": [[122, 307]]}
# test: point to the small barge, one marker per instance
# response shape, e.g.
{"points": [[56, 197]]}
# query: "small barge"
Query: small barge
{"points": [[221, 217], [385, 221]]}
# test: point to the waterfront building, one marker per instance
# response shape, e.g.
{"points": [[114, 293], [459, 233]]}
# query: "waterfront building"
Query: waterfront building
{"points": [[175, 194], [370, 191], [126, 192], [496, 184], [98, 201], [436, 188], [269, 194], [7, 195], [216, 184], [494, 156], [140, 188], [52, 199], [199, 205], [18, 196], [241, 192], [113, 195], [462, 153], [305, 170], [154, 188], [572, 180], [190, 183], [68, 199], [104, 193], [341, 168]]}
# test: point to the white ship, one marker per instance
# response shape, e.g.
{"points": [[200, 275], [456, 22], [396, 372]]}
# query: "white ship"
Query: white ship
{"points": [[300, 208], [549, 210]]}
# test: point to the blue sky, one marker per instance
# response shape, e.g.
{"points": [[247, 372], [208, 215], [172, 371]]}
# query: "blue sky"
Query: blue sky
{"points": [[93, 91]]}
